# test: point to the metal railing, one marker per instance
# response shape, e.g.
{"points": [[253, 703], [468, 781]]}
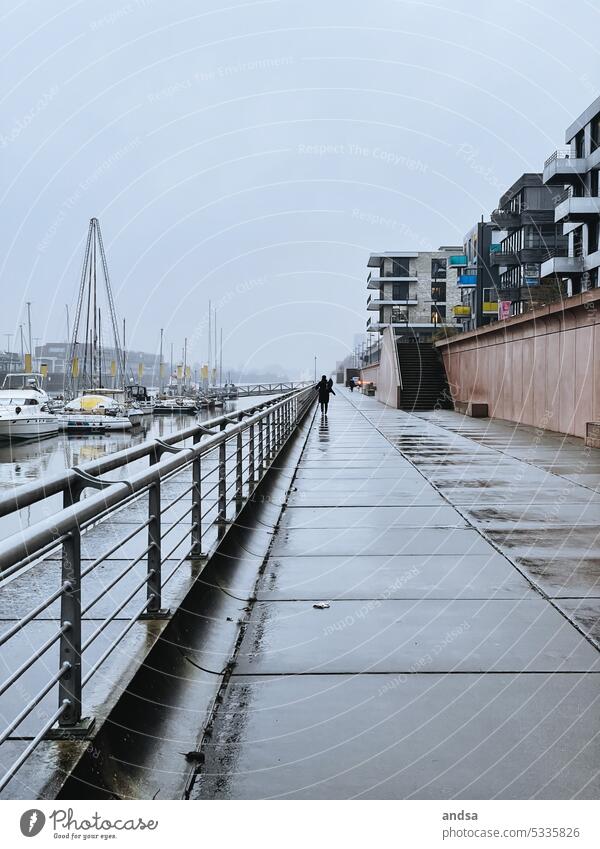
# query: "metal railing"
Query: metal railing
{"points": [[563, 196], [226, 460], [561, 153]]}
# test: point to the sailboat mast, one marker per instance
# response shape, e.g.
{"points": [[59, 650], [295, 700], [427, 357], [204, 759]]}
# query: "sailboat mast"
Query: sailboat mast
{"points": [[209, 341], [221, 360], [160, 363]]}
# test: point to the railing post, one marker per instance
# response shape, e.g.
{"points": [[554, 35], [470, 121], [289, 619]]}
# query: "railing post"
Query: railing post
{"points": [[268, 439], [251, 477], [261, 449], [196, 503], [239, 483], [154, 587], [69, 686], [222, 472]]}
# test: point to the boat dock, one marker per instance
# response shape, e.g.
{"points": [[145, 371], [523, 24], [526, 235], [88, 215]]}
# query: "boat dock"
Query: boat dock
{"points": [[385, 605]]}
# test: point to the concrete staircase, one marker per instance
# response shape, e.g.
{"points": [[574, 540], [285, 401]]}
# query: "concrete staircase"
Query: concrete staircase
{"points": [[424, 383]]}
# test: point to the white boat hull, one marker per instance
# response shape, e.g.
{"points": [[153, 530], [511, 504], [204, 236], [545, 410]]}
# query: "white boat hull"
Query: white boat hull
{"points": [[23, 427], [74, 423]]}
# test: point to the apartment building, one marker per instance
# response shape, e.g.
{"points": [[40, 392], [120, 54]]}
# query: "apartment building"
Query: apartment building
{"points": [[574, 171], [479, 278], [529, 232], [413, 292]]}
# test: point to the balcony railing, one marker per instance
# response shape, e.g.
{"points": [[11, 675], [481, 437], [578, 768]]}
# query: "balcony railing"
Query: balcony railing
{"points": [[490, 307], [369, 300], [369, 277], [561, 153], [462, 311], [458, 261], [563, 196]]}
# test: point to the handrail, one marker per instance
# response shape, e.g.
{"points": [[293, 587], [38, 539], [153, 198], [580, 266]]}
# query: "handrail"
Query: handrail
{"points": [[256, 435], [30, 493], [560, 153]]}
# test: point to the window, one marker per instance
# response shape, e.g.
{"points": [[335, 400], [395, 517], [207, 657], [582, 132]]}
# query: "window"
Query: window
{"points": [[438, 269], [592, 237], [399, 315], [400, 292], [395, 267], [438, 314], [438, 291], [594, 183], [580, 144]]}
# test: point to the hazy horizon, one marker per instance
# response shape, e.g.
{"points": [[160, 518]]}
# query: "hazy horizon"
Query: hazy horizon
{"points": [[255, 155]]}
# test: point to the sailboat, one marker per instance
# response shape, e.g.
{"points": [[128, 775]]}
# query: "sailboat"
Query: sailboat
{"points": [[95, 407]]}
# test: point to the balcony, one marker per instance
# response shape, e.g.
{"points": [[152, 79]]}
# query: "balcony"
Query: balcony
{"points": [[458, 261], [561, 167], [503, 258], [461, 311], [377, 303], [576, 209], [490, 308], [375, 282], [505, 220], [469, 279], [562, 266]]}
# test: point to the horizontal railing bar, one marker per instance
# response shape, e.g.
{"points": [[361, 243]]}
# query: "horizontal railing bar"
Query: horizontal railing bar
{"points": [[179, 497], [25, 561], [14, 629], [116, 642], [115, 547], [31, 704], [27, 664], [116, 580], [174, 524], [87, 643], [176, 546], [176, 567], [16, 766]]}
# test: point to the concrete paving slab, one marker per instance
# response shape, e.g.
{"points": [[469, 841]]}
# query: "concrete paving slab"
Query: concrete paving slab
{"points": [[413, 636], [293, 543], [372, 577], [412, 737], [376, 517]]}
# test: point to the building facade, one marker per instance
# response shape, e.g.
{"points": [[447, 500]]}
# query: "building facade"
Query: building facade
{"points": [[413, 292], [574, 170], [528, 233], [479, 278]]}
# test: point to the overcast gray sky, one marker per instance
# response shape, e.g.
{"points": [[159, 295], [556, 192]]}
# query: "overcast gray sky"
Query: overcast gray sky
{"points": [[256, 152]]}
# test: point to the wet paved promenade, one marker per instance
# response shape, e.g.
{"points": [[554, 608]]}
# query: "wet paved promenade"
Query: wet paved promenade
{"points": [[458, 655]]}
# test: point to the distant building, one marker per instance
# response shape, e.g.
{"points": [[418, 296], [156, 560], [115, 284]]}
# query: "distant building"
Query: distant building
{"points": [[10, 362], [575, 170], [525, 217], [413, 292], [478, 279]]}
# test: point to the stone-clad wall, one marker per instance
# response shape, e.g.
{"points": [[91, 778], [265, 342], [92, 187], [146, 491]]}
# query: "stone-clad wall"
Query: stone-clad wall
{"points": [[540, 369]]}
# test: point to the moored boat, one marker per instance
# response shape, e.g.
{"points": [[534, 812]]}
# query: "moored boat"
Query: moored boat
{"points": [[24, 409]]}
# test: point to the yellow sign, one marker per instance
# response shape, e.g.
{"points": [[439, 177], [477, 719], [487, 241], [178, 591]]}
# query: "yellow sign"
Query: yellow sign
{"points": [[204, 372], [75, 367], [140, 371], [113, 368], [44, 369], [179, 372], [28, 368], [188, 371]]}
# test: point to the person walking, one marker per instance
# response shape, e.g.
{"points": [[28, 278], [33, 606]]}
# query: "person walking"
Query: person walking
{"points": [[325, 389]]}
